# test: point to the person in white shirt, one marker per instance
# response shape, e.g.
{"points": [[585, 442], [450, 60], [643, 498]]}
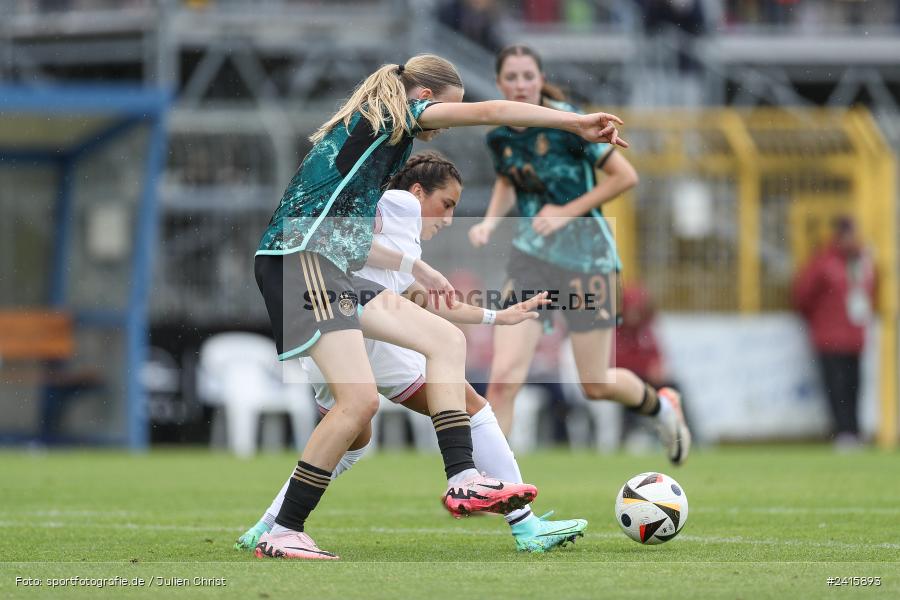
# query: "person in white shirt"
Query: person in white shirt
{"points": [[419, 203]]}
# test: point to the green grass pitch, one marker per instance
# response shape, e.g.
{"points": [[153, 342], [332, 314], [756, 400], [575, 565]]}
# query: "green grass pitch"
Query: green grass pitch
{"points": [[765, 522]]}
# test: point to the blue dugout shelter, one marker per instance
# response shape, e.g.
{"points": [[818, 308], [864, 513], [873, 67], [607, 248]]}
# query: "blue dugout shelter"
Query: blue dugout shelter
{"points": [[79, 171]]}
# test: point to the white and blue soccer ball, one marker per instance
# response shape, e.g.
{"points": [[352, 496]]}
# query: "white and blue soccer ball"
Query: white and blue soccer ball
{"points": [[651, 508]]}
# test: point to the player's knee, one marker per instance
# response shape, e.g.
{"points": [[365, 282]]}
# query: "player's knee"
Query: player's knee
{"points": [[475, 404], [508, 376], [448, 344], [368, 407], [362, 407], [503, 390], [457, 344], [596, 390]]}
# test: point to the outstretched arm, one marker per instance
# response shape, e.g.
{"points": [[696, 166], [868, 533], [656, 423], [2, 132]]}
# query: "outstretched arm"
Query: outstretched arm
{"points": [[464, 313], [595, 127]]}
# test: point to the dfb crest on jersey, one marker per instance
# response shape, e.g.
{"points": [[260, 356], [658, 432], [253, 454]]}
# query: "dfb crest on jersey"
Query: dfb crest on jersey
{"points": [[347, 303]]}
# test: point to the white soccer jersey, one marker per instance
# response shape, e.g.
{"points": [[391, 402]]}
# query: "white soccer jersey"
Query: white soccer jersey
{"points": [[398, 371], [398, 222]]}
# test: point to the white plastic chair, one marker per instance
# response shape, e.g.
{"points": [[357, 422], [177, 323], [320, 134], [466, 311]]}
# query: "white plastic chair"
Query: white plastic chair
{"points": [[241, 374], [391, 428], [423, 434], [524, 432]]}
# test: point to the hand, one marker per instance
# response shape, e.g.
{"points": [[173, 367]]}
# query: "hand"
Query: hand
{"points": [[523, 311], [600, 127], [549, 219], [436, 284], [480, 234]]}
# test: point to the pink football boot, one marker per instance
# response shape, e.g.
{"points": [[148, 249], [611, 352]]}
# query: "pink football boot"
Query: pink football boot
{"points": [[484, 494], [291, 545]]}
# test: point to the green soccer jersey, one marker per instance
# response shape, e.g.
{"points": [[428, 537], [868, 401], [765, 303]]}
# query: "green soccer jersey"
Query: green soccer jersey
{"points": [[329, 206], [550, 166]]}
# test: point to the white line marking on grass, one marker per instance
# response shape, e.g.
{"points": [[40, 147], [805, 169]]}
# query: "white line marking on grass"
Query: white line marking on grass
{"points": [[799, 510], [806, 543], [470, 563], [606, 535], [770, 510], [69, 513], [500, 531], [132, 526], [63, 513]]}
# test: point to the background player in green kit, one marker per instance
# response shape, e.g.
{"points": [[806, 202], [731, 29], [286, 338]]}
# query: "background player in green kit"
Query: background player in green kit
{"points": [[563, 244], [323, 229]]}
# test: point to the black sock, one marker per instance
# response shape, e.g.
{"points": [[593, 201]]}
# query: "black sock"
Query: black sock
{"points": [[649, 404], [454, 435], [305, 488]]}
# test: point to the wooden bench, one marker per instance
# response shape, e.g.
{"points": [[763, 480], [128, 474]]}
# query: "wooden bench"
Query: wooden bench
{"points": [[35, 335], [35, 345]]}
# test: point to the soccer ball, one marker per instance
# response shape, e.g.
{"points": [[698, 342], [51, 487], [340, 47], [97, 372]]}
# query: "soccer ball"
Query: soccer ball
{"points": [[651, 508]]}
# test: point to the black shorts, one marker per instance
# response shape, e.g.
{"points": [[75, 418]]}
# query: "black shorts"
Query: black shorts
{"points": [[587, 301], [366, 290], [306, 296]]}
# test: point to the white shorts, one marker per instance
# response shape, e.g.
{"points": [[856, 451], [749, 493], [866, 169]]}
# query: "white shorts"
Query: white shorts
{"points": [[399, 373]]}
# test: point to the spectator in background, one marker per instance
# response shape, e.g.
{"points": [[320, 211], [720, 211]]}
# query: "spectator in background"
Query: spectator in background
{"points": [[780, 12], [540, 12], [580, 14], [835, 292], [854, 11], [54, 6], [636, 347], [475, 19], [761, 12], [637, 350], [687, 16]]}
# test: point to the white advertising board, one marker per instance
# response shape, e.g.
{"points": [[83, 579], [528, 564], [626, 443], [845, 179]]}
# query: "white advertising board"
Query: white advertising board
{"points": [[756, 377]]}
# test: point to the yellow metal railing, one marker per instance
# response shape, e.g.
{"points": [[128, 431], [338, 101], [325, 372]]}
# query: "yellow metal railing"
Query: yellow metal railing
{"points": [[765, 184]]}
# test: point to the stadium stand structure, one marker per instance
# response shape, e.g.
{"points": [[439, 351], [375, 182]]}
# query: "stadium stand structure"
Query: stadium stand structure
{"points": [[79, 167], [732, 201], [253, 78]]}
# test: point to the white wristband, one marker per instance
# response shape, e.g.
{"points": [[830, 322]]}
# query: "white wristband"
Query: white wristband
{"points": [[406, 263], [489, 317]]}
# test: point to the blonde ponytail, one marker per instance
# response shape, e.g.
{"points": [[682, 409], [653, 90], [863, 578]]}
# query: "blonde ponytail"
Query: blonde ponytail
{"points": [[382, 97]]}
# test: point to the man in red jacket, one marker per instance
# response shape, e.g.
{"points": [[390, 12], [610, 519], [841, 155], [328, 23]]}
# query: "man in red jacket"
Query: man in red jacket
{"points": [[835, 293], [637, 348]]}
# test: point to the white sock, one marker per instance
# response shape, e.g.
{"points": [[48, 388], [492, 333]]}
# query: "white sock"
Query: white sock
{"points": [[490, 450], [275, 507], [279, 530], [269, 520], [347, 460], [519, 516], [665, 407], [492, 453], [462, 476]]}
